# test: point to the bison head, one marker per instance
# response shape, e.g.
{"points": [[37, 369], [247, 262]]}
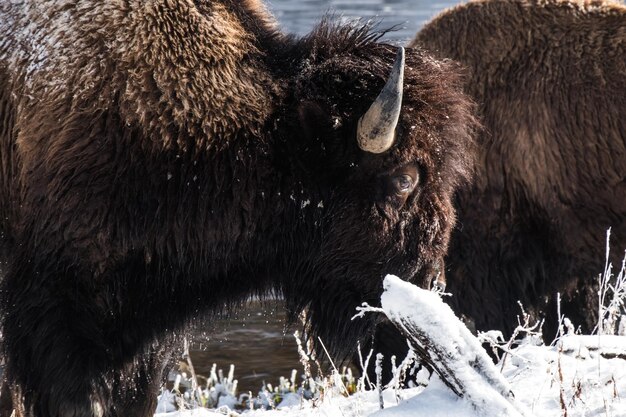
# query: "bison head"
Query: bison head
{"points": [[377, 138]]}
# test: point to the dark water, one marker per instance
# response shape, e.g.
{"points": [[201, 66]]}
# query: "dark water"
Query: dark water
{"points": [[254, 339]]}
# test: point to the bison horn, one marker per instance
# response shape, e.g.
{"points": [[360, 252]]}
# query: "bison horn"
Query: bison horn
{"points": [[376, 130]]}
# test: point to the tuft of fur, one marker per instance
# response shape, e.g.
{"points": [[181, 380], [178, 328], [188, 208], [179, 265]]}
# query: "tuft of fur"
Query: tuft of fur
{"points": [[549, 77], [162, 160]]}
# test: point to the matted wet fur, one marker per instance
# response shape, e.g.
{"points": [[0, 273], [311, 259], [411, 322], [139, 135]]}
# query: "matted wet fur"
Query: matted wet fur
{"points": [[550, 79], [164, 159]]}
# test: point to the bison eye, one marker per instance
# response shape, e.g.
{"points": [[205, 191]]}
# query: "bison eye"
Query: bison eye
{"points": [[403, 183], [404, 179]]}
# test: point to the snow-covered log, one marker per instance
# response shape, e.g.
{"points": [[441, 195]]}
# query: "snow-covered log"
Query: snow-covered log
{"points": [[442, 341], [607, 346]]}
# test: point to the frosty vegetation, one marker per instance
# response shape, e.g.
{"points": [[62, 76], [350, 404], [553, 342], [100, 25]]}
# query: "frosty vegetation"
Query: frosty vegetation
{"points": [[575, 376]]}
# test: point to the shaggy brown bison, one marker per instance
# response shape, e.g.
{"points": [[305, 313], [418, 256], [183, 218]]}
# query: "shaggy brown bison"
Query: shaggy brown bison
{"points": [[164, 159], [550, 80]]}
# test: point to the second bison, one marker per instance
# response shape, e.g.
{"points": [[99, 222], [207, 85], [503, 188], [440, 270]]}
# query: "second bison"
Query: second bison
{"points": [[550, 80]]}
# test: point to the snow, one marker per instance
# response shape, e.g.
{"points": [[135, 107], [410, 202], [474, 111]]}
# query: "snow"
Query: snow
{"points": [[589, 384], [435, 401], [578, 376]]}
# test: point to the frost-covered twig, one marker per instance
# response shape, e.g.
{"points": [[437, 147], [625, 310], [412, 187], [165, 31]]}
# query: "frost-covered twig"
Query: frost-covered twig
{"points": [[379, 379], [304, 358], [337, 376], [561, 387], [196, 393], [366, 308], [399, 372], [523, 327], [611, 309], [364, 364], [560, 331]]}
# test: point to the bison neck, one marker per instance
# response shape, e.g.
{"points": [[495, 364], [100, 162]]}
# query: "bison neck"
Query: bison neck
{"points": [[187, 74]]}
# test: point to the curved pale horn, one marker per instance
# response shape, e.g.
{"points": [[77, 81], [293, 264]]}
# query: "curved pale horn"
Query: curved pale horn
{"points": [[376, 130]]}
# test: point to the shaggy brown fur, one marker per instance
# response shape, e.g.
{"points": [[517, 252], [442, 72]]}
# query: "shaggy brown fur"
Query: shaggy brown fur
{"points": [[164, 159], [550, 78]]}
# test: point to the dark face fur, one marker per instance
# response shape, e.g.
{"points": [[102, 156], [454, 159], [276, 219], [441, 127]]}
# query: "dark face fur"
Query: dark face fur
{"points": [[374, 214]]}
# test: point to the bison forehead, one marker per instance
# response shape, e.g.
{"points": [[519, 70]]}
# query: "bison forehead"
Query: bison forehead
{"points": [[436, 127]]}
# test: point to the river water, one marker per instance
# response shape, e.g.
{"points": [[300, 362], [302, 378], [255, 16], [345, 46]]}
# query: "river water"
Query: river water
{"points": [[255, 338], [300, 16]]}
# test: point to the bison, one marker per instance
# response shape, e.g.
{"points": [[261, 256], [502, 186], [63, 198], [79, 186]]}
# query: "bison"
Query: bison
{"points": [[162, 160], [550, 81]]}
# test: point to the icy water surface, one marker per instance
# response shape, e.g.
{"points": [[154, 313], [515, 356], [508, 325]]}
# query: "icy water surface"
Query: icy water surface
{"points": [[255, 340], [300, 16]]}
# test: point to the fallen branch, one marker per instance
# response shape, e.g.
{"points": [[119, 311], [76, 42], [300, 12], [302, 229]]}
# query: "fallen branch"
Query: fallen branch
{"points": [[443, 342]]}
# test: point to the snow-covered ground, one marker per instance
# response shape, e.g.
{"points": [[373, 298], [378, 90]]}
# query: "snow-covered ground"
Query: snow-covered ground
{"points": [[578, 376], [542, 378]]}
